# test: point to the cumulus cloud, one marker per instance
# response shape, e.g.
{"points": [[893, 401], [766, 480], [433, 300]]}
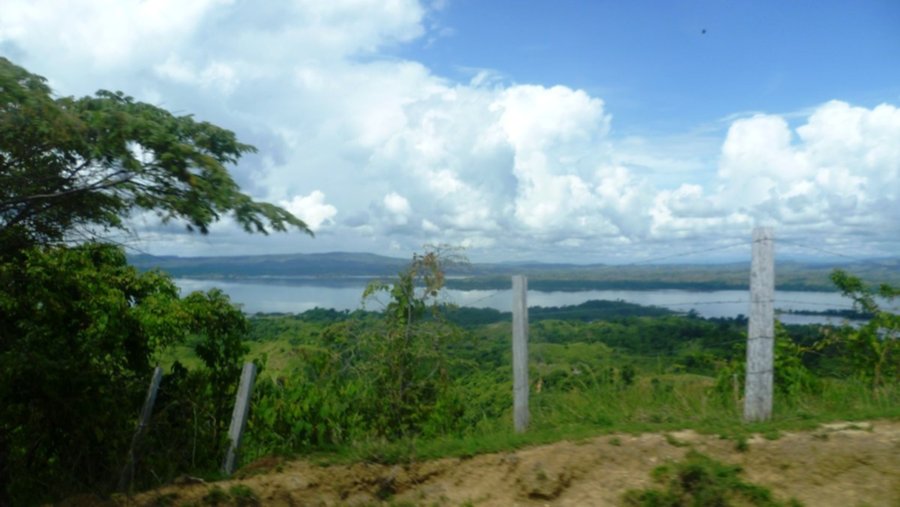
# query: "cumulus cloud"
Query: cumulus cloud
{"points": [[398, 207], [312, 209], [838, 168], [215, 75], [410, 157], [102, 34], [835, 175]]}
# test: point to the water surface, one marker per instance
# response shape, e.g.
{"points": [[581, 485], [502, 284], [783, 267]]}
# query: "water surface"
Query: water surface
{"points": [[297, 298]]}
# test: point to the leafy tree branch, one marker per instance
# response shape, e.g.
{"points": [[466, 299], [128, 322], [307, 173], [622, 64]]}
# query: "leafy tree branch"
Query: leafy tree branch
{"points": [[67, 163]]}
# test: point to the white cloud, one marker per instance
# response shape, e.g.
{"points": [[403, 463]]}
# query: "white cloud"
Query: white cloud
{"points": [[215, 75], [312, 209], [836, 175], [534, 116], [515, 169], [843, 169], [428, 226], [397, 204], [101, 33]]}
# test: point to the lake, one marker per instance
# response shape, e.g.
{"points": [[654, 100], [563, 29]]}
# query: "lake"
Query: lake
{"points": [[271, 296]]}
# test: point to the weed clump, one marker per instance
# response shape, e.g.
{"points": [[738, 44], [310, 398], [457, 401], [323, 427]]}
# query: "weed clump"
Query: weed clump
{"points": [[699, 481], [215, 496], [243, 496]]}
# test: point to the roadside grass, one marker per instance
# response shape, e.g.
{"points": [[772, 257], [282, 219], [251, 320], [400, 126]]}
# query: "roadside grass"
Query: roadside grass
{"points": [[644, 407], [278, 355], [591, 404]]}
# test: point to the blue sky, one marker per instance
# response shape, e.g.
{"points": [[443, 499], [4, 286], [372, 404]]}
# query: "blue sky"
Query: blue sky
{"points": [[557, 131], [653, 63]]}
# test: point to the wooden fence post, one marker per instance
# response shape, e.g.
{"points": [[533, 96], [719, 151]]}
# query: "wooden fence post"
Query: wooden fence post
{"points": [[520, 352], [761, 330], [239, 417], [128, 472]]}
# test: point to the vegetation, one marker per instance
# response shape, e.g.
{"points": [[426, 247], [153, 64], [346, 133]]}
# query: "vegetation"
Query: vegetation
{"points": [[612, 373], [69, 167], [701, 481], [387, 376], [79, 328], [873, 348], [80, 331], [409, 383]]}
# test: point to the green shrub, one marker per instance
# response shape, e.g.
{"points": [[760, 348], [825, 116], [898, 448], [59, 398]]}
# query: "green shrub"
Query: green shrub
{"points": [[699, 481], [215, 496], [791, 376], [243, 496]]}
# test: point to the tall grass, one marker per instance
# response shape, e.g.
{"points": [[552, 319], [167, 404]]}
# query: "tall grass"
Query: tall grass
{"points": [[656, 403]]}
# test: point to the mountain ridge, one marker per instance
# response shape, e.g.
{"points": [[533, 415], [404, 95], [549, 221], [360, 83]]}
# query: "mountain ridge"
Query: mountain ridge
{"points": [[302, 267]]}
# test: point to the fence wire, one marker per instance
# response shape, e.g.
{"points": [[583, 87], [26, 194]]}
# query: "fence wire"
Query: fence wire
{"points": [[833, 253], [688, 253]]}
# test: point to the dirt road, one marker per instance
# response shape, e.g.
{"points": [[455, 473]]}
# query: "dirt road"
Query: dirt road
{"points": [[841, 465]]}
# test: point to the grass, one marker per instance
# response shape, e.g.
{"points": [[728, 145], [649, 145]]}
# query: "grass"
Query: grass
{"points": [[579, 415], [243, 496], [741, 444], [215, 496], [662, 403], [674, 442], [591, 405], [700, 480]]}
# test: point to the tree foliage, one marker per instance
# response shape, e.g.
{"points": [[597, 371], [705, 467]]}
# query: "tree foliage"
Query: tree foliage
{"points": [[408, 364], [219, 328], [369, 375], [873, 348], [70, 165], [79, 328], [791, 376]]}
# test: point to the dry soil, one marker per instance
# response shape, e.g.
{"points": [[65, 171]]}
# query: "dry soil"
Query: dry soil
{"points": [[841, 465]]}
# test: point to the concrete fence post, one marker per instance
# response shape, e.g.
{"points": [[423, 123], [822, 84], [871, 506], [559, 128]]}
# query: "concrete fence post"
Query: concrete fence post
{"points": [[761, 329], [239, 417], [521, 414], [128, 472]]}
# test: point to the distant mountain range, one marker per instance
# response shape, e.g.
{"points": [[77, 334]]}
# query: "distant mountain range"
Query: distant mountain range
{"points": [[347, 266], [320, 265]]}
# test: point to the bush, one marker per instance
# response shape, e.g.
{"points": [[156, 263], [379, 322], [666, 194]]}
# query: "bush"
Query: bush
{"points": [[873, 349], [791, 376], [700, 481], [385, 376], [80, 329]]}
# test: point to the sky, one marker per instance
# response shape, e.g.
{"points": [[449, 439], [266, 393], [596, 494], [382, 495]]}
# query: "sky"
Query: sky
{"points": [[556, 131]]}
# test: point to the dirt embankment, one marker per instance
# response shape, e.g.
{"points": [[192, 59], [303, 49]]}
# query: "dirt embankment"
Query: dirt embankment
{"points": [[837, 465]]}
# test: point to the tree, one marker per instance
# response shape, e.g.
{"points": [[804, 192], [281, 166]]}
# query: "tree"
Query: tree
{"points": [[77, 332], [407, 360], [221, 328], [79, 328], [873, 348], [69, 165], [388, 375]]}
